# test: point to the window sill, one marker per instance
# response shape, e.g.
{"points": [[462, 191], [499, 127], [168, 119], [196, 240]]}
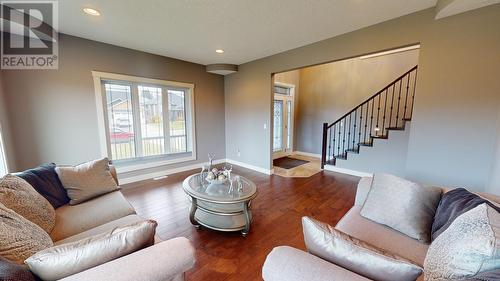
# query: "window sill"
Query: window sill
{"points": [[125, 168]]}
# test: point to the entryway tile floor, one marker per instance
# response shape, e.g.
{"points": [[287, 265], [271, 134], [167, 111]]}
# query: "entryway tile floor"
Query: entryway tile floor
{"points": [[303, 171]]}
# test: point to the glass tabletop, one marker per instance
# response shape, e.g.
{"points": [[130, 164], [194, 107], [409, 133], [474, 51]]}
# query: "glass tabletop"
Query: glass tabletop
{"points": [[234, 190]]}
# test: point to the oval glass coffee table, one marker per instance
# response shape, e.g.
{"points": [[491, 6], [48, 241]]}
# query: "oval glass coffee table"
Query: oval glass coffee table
{"points": [[222, 207]]}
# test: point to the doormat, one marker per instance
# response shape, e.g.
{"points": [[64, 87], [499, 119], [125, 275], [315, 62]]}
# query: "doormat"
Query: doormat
{"points": [[288, 162]]}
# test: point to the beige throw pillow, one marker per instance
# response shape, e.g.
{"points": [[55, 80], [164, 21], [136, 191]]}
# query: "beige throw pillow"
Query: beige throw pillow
{"points": [[19, 196], [71, 258], [330, 244], [402, 205], [20, 238], [469, 246], [87, 180]]}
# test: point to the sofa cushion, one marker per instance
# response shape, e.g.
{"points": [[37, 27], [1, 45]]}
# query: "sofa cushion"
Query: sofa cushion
{"points": [[10, 271], [19, 196], [74, 219], [454, 203], [470, 245], [127, 220], [45, 181], [403, 205], [20, 238], [381, 236], [87, 180], [333, 245], [67, 259]]}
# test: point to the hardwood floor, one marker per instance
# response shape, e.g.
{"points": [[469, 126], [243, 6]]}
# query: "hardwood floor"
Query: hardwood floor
{"points": [[277, 212]]}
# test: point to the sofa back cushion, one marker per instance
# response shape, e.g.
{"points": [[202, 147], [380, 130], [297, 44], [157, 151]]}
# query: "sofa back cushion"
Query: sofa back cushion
{"points": [[44, 179], [454, 203], [87, 180], [20, 238], [470, 245], [402, 205], [19, 196], [67, 259], [330, 244]]}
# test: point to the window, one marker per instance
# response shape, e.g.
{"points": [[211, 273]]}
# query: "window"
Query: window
{"points": [[145, 121]]}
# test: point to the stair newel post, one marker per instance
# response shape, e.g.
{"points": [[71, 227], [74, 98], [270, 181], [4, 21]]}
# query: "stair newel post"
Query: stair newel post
{"points": [[323, 150], [371, 118], [360, 124], [331, 156]]}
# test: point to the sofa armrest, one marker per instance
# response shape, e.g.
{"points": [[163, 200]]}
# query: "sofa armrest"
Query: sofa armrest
{"points": [[160, 262], [289, 264], [364, 186]]}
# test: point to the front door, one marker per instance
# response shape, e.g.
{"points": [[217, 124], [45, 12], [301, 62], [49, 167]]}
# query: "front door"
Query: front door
{"points": [[283, 121]]}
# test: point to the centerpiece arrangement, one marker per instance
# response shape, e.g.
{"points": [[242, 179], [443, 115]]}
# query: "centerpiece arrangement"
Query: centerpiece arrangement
{"points": [[214, 175]]}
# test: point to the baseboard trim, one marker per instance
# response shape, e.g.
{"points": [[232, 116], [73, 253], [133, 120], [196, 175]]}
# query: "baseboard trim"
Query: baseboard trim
{"points": [[307, 154], [148, 176], [347, 171], [251, 167]]}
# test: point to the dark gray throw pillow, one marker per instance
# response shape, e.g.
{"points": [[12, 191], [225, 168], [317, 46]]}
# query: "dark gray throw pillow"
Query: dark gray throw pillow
{"points": [[485, 276], [10, 271], [46, 182], [454, 203]]}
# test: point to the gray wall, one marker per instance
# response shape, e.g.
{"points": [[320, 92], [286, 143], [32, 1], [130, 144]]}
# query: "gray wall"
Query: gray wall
{"points": [[453, 129], [4, 124], [331, 90], [386, 156], [53, 113]]}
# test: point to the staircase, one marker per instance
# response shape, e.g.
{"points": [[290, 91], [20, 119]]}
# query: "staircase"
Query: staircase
{"points": [[388, 110]]}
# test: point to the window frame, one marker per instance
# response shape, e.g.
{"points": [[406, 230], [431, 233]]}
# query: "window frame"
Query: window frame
{"points": [[144, 162]]}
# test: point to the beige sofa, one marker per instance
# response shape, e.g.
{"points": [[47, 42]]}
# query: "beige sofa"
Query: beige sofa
{"points": [[290, 264], [166, 260]]}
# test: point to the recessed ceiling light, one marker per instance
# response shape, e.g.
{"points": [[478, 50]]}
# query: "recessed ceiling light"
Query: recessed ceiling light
{"points": [[219, 51], [92, 12]]}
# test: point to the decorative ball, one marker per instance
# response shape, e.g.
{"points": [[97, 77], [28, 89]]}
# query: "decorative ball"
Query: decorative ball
{"points": [[210, 176], [221, 177]]}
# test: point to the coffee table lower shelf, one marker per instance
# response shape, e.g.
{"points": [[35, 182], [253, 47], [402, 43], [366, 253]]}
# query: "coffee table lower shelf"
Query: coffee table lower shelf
{"points": [[221, 217]]}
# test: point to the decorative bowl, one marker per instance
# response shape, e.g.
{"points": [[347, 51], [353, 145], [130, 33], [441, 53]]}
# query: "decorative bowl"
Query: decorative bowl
{"points": [[216, 181]]}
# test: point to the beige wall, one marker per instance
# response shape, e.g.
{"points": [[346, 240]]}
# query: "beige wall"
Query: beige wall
{"points": [[53, 113], [330, 90], [453, 127], [4, 125]]}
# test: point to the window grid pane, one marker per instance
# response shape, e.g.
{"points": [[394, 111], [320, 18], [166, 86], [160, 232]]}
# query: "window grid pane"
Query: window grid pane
{"points": [[278, 125], [120, 121], [177, 121], [151, 111]]}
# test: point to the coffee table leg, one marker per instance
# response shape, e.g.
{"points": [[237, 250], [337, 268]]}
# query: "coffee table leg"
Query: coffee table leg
{"points": [[246, 212], [192, 211]]}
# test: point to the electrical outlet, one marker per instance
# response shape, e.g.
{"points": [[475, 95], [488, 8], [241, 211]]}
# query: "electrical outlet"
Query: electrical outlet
{"points": [[239, 152], [265, 126]]}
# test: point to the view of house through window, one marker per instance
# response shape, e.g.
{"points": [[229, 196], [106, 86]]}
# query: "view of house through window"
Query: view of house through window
{"points": [[145, 120]]}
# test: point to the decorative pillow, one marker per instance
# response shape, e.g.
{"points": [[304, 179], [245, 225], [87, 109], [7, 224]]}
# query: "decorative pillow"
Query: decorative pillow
{"points": [[485, 276], [45, 180], [470, 245], [87, 180], [68, 259], [403, 205], [10, 271], [19, 196], [20, 238], [454, 203], [330, 244]]}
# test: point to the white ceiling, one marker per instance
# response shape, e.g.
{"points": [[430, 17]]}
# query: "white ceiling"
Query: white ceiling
{"points": [[192, 30]]}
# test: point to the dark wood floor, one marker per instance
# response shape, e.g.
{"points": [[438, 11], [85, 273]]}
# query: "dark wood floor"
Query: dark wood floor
{"points": [[277, 212]]}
